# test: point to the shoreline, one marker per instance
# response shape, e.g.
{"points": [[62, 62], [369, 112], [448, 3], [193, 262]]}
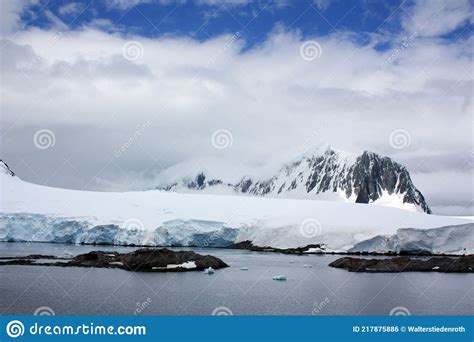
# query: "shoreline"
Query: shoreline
{"points": [[254, 248], [140, 260], [158, 259]]}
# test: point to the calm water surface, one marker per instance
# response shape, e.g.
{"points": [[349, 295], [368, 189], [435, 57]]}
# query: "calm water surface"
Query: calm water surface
{"points": [[319, 290]]}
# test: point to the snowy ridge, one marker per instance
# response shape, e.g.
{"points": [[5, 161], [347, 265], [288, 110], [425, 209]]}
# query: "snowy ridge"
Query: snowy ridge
{"points": [[4, 169], [325, 174], [449, 240], [31, 212]]}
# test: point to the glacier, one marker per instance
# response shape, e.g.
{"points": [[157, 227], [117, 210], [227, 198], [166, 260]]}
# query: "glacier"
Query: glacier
{"points": [[36, 213], [29, 228], [457, 239]]}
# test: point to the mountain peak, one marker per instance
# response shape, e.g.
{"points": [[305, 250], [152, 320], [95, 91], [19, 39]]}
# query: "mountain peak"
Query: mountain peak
{"points": [[325, 173]]}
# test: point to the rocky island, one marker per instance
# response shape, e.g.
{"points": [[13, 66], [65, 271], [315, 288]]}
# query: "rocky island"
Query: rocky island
{"points": [[308, 249], [141, 260], [461, 264]]}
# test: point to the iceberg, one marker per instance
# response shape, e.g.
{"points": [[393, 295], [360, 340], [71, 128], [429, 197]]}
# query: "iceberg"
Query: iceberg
{"points": [[209, 270]]}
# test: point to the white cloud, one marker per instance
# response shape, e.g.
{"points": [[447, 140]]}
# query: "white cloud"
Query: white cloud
{"points": [[227, 2], [452, 193], [55, 21], [72, 8], [10, 15], [124, 4], [322, 5], [102, 24], [437, 17]]}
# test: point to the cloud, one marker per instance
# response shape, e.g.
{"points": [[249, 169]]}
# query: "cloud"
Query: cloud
{"points": [[102, 24], [452, 193], [322, 5], [127, 4], [10, 15], [55, 21], [227, 3], [275, 104], [72, 8], [437, 17]]}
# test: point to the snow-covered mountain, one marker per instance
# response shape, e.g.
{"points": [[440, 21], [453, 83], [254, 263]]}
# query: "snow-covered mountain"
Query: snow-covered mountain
{"points": [[35, 213], [324, 174]]}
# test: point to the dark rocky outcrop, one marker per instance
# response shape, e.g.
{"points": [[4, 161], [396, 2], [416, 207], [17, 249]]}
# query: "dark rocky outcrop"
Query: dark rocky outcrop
{"points": [[141, 260], [461, 264], [372, 174], [248, 245]]}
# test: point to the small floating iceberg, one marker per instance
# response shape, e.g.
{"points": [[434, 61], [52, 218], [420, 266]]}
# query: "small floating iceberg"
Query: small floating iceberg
{"points": [[279, 277], [244, 268], [291, 262], [209, 270]]}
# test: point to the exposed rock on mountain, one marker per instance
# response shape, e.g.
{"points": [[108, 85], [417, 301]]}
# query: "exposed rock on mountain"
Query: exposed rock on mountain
{"points": [[368, 178], [5, 169]]}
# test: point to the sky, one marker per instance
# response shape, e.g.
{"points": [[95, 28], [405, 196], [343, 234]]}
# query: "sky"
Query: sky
{"points": [[111, 95]]}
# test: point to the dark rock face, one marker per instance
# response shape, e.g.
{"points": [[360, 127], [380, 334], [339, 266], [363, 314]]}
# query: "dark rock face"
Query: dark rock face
{"points": [[462, 264], [372, 174], [365, 178], [141, 260]]}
